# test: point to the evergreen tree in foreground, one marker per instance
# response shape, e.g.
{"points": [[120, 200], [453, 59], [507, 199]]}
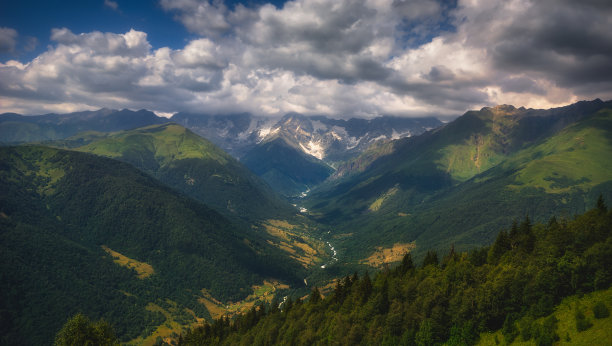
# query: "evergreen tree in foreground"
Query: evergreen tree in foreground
{"points": [[80, 330], [508, 286]]}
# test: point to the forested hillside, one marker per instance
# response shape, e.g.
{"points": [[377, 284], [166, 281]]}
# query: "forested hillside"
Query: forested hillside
{"points": [[191, 164], [458, 184], [285, 167], [83, 233], [452, 297], [16, 128]]}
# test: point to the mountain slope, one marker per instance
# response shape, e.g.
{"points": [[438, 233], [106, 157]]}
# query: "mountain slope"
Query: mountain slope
{"points": [[335, 140], [15, 128], [59, 212], [512, 287], [331, 140], [457, 184], [284, 167], [191, 164], [234, 133]]}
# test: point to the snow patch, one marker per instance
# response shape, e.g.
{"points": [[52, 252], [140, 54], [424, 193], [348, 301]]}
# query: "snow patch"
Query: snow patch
{"points": [[263, 132], [244, 135], [397, 135], [378, 138], [353, 142], [267, 131], [314, 149]]}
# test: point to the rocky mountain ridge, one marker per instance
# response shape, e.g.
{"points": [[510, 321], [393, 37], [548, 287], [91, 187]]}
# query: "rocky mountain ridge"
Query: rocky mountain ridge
{"points": [[326, 139]]}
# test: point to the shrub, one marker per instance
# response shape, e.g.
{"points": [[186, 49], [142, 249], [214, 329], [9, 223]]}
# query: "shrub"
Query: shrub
{"points": [[600, 310], [582, 323]]}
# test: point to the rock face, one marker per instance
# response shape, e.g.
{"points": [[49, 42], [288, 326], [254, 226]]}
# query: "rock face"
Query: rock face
{"points": [[296, 152], [330, 140]]}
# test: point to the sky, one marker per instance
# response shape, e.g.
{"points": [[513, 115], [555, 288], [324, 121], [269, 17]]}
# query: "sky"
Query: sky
{"points": [[341, 58]]}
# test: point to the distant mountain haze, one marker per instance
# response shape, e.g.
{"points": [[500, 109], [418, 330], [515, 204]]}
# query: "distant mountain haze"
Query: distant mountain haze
{"points": [[15, 128], [311, 145]]}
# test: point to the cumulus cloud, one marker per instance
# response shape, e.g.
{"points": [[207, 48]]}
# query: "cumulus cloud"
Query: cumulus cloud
{"points": [[202, 17], [8, 40], [337, 57], [111, 4], [565, 42]]}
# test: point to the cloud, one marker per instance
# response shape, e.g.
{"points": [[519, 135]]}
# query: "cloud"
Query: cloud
{"points": [[131, 44], [337, 57], [201, 17], [111, 4], [439, 73], [565, 42], [8, 40]]}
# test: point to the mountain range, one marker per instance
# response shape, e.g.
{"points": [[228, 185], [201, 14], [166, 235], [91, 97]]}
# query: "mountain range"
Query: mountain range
{"points": [[16, 128], [146, 223], [292, 153], [330, 140], [457, 183], [190, 164]]}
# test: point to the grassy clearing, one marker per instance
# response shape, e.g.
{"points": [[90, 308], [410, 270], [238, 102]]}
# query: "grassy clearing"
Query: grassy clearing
{"points": [[167, 142], [143, 270], [328, 288], [261, 294], [600, 333], [46, 171], [281, 224], [342, 235], [215, 308], [375, 206], [275, 231], [295, 240], [475, 155], [170, 329], [388, 255], [573, 159]]}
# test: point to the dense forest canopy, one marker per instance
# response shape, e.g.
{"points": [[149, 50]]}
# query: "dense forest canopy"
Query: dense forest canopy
{"points": [[520, 277]]}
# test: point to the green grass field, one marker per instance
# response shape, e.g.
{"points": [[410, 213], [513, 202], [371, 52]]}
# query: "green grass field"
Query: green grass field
{"points": [[600, 333]]}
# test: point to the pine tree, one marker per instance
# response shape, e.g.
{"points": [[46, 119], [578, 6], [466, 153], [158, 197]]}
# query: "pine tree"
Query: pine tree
{"points": [[601, 205], [431, 258], [500, 247], [406, 266], [365, 288], [450, 257], [80, 330], [526, 238], [513, 235], [315, 296]]}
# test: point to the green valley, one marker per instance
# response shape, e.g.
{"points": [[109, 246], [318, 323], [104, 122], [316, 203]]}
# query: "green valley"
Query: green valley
{"points": [[286, 168], [190, 164], [83, 233], [306, 172], [516, 287], [457, 184], [177, 241]]}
